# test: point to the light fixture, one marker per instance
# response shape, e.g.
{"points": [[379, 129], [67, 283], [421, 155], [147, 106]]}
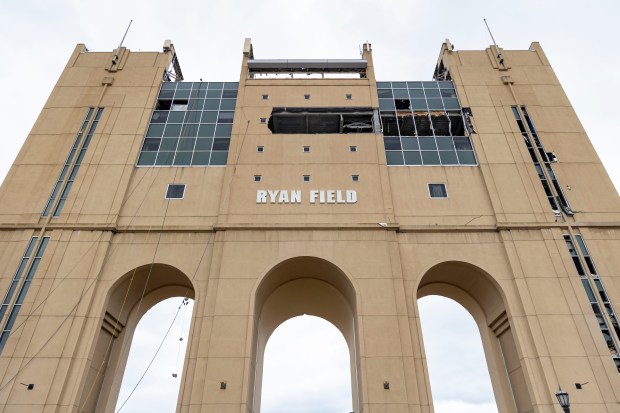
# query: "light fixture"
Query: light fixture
{"points": [[386, 385], [562, 397]]}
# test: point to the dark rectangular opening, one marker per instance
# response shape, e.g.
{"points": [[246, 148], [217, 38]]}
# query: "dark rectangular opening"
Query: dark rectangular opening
{"points": [[423, 123], [406, 125], [441, 123], [402, 104], [457, 128], [321, 120], [390, 124], [175, 191], [163, 104]]}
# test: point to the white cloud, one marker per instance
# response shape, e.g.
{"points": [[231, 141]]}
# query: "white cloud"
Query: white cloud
{"points": [[454, 353], [306, 368], [158, 390], [457, 406]]}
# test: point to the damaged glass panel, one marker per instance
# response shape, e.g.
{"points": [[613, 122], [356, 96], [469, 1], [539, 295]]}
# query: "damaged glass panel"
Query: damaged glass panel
{"points": [[423, 124], [441, 123], [183, 112], [390, 124], [597, 296], [322, 120], [402, 104], [406, 124], [431, 112], [538, 155]]}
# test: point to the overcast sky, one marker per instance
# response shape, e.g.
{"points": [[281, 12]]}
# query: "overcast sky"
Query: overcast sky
{"points": [[578, 38]]}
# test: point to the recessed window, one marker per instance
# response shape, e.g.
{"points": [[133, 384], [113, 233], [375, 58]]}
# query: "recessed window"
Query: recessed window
{"points": [[258, 178], [265, 97], [314, 120], [437, 190], [175, 191], [355, 178], [260, 149], [352, 148], [307, 97], [263, 120], [349, 96], [306, 178], [306, 149]]}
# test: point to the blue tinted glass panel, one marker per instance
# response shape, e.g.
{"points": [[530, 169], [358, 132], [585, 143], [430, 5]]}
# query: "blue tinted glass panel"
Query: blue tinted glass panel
{"points": [[188, 116]]}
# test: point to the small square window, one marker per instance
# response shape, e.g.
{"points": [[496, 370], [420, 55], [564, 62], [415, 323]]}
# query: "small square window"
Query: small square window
{"points": [[306, 178], [349, 96], [306, 149], [437, 190], [263, 120], [258, 178], [355, 178], [265, 97], [175, 191], [307, 97], [260, 149], [352, 148]]}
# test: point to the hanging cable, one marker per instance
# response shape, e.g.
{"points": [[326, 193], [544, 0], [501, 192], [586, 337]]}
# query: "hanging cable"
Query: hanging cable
{"points": [[92, 283], [148, 277], [181, 330], [151, 362]]}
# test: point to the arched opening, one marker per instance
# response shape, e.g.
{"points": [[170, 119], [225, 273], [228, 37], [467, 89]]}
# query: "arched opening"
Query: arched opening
{"points": [[126, 302], [298, 286], [306, 368], [481, 296], [154, 368], [458, 372]]}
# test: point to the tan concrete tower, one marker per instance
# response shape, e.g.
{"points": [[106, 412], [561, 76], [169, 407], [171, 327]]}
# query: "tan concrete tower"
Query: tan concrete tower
{"points": [[308, 187]]}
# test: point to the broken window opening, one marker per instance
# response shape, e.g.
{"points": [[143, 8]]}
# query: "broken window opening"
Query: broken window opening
{"points": [[321, 120], [402, 104], [163, 104], [389, 123], [423, 124], [406, 124], [176, 104], [560, 200], [441, 123], [608, 334], [457, 125]]}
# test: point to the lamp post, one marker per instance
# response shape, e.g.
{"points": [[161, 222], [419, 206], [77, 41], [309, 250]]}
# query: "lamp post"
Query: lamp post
{"points": [[562, 397]]}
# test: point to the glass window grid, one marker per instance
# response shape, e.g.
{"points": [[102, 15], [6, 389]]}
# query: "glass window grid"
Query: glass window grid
{"points": [[78, 163], [553, 202], [17, 276], [443, 98], [10, 322], [67, 165], [608, 334], [210, 112]]}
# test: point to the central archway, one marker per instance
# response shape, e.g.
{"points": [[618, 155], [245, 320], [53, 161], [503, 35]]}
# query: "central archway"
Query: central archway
{"points": [[298, 286]]}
